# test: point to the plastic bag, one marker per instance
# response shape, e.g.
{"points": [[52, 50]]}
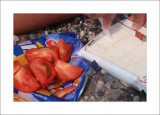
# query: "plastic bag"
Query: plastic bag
{"points": [[49, 40]]}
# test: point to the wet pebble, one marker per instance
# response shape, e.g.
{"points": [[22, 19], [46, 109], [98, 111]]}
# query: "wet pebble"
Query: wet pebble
{"points": [[99, 86], [32, 36], [103, 71], [16, 39], [136, 98]]}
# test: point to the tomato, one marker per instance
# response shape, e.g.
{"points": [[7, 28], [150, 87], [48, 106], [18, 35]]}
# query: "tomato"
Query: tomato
{"points": [[50, 53], [62, 92], [17, 66], [23, 80], [66, 71], [43, 70], [65, 50]]}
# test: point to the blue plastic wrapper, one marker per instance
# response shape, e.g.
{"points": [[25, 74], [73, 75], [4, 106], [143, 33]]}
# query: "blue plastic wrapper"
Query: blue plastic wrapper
{"points": [[48, 40]]}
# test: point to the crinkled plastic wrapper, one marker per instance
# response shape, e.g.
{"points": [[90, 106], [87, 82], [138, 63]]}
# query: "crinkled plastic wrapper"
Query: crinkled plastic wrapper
{"points": [[49, 40]]}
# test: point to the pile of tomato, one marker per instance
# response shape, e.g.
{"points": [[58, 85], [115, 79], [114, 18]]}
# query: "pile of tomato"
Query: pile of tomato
{"points": [[45, 65]]}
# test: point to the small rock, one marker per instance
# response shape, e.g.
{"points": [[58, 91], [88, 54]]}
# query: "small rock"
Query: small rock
{"points": [[91, 37], [98, 76], [117, 93], [100, 93], [24, 38], [107, 86], [130, 90], [32, 36], [69, 24], [82, 33], [46, 33], [53, 31], [136, 98], [89, 32], [92, 98], [16, 39], [77, 18], [114, 86], [86, 97], [99, 86], [103, 71], [107, 78], [103, 89], [132, 95]]}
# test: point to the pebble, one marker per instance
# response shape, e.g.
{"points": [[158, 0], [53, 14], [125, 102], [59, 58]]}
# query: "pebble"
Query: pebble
{"points": [[132, 95], [46, 33], [69, 24], [92, 98], [89, 33], [130, 90], [53, 31], [86, 97], [136, 98], [107, 78], [16, 39], [32, 36], [100, 93], [103, 71], [114, 86], [99, 86], [98, 76], [24, 38], [82, 33], [91, 37]]}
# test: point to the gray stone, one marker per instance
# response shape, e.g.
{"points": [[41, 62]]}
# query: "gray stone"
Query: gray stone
{"points": [[32, 36], [114, 86], [107, 78], [136, 98], [100, 93]]}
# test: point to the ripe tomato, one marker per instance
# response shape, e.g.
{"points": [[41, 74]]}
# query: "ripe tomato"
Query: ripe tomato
{"points": [[62, 92], [23, 80], [43, 70], [17, 66], [65, 50], [50, 53], [66, 71]]}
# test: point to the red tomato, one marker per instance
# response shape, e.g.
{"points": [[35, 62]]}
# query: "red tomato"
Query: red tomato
{"points": [[62, 92], [43, 70], [50, 53], [66, 71], [17, 66], [65, 50], [23, 80]]}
